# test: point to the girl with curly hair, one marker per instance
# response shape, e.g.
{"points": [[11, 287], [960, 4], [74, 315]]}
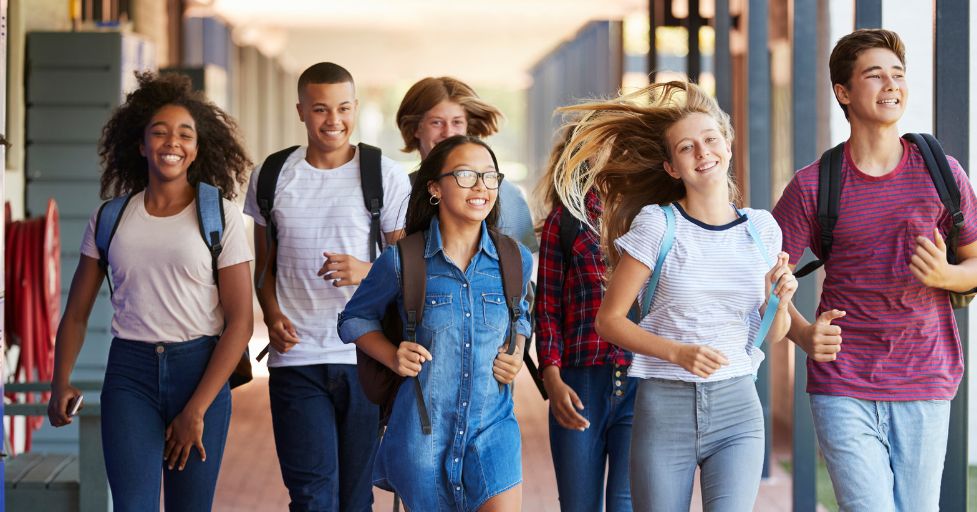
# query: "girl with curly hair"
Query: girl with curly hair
{"points": [[659, 158], [177, 335]]}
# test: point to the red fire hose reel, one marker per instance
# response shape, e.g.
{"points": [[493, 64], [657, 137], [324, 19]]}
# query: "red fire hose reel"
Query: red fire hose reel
{"points": [[32, 304]]}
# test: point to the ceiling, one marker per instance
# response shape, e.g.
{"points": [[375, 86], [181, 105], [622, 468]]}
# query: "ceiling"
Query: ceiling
{"points": [[383, 42]]}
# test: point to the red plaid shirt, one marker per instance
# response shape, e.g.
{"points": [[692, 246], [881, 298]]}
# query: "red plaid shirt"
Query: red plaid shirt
{"points": [[567, 300]]}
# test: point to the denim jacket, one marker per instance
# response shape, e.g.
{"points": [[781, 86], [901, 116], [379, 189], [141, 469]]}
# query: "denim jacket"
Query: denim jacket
{"points": [[474, 450]]}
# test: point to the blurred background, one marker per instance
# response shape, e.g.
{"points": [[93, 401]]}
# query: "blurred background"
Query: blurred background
{"points": [[67, 64]]}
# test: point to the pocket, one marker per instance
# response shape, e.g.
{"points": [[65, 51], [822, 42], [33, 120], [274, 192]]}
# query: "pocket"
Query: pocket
{"points": [[437, 313], [495, 314]]}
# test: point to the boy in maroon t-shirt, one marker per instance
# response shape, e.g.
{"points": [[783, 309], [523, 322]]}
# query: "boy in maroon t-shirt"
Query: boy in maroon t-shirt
{"points": [[884, 353]]}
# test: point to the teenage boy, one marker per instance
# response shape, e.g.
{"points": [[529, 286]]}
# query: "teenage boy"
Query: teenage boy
{"points": [[436, 108], [884, 353], [325, 428]]}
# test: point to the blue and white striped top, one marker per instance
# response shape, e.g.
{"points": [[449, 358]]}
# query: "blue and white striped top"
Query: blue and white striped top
{"points": [[711, 287]]}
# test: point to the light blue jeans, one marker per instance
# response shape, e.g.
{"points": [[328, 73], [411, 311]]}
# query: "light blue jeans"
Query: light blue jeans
{"points": [[678, 426], [883, 455]]}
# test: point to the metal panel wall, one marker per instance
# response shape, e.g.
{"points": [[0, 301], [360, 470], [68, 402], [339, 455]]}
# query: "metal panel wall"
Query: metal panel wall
{"points": [[586, 67]]}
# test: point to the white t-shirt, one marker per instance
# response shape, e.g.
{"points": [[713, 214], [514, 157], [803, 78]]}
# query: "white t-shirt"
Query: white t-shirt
{"points": [[319, 210], [162, 272], [710, 290]]}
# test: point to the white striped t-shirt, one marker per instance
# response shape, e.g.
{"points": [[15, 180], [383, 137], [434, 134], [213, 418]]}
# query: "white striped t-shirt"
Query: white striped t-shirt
{"points": [[710, 290], [320, 210]]}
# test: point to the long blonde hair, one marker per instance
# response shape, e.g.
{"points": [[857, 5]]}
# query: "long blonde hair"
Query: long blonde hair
{"points": [[619, 147]]}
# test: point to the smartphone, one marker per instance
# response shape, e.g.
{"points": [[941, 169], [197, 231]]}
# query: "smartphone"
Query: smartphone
{"points": [[74, 405]]}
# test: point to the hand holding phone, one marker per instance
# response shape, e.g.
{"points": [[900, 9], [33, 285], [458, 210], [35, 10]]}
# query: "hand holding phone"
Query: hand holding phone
{"points": [[74, 405]]}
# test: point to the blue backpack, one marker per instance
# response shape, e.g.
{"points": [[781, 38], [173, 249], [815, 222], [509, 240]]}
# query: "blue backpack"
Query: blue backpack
{"points": [[210, 217], [669, 237]]}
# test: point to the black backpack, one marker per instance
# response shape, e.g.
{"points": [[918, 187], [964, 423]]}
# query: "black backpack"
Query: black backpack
{"points": [[371, 182], [380, 383], [829, 201]]}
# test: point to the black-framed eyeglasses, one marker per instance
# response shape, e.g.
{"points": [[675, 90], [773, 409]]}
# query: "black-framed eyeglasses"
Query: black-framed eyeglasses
{"points": [[466, 178]]}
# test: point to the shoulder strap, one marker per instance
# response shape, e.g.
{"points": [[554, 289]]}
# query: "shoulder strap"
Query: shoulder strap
{"points": [[939, 169], [106, 224], [569, 230], [510, 263], [667, 240], [271, 168], [371, 181], [829, 203], [210, 218], [413, 282], [773, 300], [414, 288]]}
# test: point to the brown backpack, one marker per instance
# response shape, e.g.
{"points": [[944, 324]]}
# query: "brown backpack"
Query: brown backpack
{"points": [[380, 384]]}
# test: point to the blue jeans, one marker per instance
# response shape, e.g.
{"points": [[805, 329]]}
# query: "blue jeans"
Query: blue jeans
{"points": [[883, 455], [326, 436], [146, 387], [582, 458], [717, 426]]}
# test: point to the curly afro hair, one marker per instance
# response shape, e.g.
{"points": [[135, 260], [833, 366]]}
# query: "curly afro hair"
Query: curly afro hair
{"points": [[221, 159]]}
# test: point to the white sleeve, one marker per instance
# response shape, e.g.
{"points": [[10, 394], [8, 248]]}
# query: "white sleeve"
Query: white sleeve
{"points": [[251, 199], [396, 193], [770, 233], [644, 238], [88, 247], [235, 241]]}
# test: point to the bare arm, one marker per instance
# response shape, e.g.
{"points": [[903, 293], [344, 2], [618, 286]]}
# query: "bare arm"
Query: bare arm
{"points": [[820, 340], [930, 266], [347, 270], [71, 336], [281, 333], [186, 430], [613, 324]]}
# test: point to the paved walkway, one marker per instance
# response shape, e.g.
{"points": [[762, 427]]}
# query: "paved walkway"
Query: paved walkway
{"points": [[250, 478]]}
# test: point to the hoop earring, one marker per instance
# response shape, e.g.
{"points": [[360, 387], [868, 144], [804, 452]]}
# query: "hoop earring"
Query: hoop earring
{"points": [[434, 200]]}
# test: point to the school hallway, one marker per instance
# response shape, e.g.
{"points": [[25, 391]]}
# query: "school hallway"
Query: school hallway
{"points": [[251, 481]]}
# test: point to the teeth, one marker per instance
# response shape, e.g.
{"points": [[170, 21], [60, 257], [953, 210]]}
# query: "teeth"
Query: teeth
{"points": [[333, 132], [477, 202], [889, 102], [707, 166], [172, 159]]}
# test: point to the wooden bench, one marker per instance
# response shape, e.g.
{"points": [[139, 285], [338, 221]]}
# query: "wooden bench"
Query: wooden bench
{"points": [[34, 481]]}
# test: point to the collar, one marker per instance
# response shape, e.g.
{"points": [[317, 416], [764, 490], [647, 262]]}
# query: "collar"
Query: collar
{"points": [[435, 244]]}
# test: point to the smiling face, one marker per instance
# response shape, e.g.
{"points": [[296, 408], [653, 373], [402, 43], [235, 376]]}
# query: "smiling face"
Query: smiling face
{"points": [[446, 119], [464, 205], [329, 114], [169, 143], [699, 152], [877, 92]]}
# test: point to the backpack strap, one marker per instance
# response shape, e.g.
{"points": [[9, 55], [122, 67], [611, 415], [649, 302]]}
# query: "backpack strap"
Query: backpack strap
{"points": [[414, 289], [271, 168], [942, 176], [510, 264], [667, 240], [371, 181], [773, 301], [570, 228], [829, 203], [106, 223], [210, 218]]}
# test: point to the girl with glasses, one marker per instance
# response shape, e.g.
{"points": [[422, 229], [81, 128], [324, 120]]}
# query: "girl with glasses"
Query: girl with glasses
{"points": [[471, 460]]}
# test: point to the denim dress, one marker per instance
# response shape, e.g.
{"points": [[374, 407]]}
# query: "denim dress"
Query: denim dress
{"points": [[473, 452]]}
